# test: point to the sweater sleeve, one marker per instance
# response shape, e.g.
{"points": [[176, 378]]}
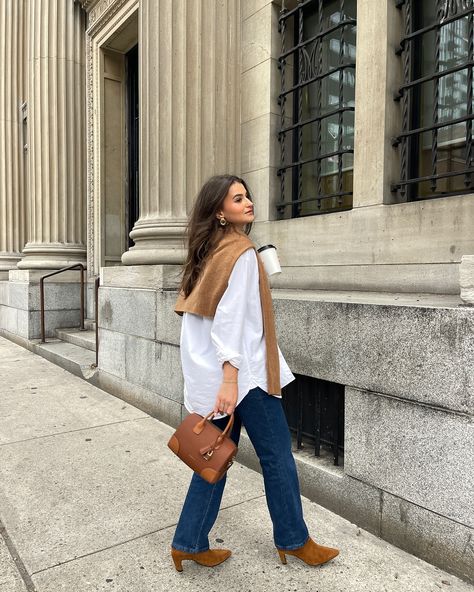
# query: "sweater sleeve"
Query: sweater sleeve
{"points": [[228, 322]]}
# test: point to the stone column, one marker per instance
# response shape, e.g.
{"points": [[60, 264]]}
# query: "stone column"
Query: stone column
{"points": [[189, 115], [12, 214], [56, 118], [377, 117]]}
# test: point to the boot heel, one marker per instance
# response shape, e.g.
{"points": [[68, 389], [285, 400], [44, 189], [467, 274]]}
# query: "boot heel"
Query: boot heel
{"points": [[282, 556], [177, 563]]}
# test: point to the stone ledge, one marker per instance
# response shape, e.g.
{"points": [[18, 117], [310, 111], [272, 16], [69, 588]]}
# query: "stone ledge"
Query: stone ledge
{"points": [[466, 279], [371, 298], [155, 277], [404, 278], [33, 276], [418, 353]]}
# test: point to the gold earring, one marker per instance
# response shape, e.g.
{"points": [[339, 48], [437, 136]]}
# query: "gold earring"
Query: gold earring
{"points": [[223, 221]]}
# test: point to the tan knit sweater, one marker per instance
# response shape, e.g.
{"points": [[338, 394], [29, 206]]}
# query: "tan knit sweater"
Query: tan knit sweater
{"points": [[211, 285]]}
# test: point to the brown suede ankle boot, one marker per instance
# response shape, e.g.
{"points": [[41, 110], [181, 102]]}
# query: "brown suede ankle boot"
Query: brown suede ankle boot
{"points": [[209, 558], [311, 553]]}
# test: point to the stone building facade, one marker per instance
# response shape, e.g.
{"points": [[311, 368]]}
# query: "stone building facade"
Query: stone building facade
{"points": [[352, 123]]}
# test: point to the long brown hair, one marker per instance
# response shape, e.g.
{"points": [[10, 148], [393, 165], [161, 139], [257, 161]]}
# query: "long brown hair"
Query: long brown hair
{"points": [[203, 230]]}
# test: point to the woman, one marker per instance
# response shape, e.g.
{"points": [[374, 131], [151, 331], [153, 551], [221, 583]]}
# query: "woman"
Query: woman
{"points": [[232, 364]]}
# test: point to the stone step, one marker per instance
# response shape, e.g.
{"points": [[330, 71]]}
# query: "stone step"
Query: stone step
{"points": [[74, 335], [73, 358]]}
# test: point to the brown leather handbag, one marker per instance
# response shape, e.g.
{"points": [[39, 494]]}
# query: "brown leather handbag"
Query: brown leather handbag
{"points": [[205, 448]]}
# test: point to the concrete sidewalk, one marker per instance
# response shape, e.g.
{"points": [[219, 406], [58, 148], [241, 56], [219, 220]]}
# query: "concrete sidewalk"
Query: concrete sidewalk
{"points": [[90, 496]]}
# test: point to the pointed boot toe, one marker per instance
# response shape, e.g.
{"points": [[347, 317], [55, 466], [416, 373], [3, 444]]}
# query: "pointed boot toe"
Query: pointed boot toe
{"points": [[311, 553], [209, 558]]}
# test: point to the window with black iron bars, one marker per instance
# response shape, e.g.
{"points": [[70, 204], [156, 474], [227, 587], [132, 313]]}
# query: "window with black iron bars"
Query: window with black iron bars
{"points": [[316, 135], [435, 145]]}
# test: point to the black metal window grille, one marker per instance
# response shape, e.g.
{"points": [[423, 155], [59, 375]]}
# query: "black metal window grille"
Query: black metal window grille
{"points": [[316, 132], [437, 51], [314, 409]]}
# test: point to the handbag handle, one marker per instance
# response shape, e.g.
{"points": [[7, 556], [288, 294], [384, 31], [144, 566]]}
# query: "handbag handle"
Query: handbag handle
{"points": [[200, 425], [208, 451]]}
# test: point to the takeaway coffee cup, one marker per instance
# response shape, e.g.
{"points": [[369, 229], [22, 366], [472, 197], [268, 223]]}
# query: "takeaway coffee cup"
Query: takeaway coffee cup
{"points": [[269, 258]]}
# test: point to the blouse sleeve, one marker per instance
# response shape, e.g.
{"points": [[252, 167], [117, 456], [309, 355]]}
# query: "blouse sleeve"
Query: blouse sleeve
{"points": [[228, 322]]}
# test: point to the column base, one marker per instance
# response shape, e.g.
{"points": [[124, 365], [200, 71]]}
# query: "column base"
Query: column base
{"points": [[153, 256], [8, 261], [156, 243], [52, 256]]}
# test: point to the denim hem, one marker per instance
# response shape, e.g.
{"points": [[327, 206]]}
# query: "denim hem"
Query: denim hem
{"points": [[292, 547], [187, 549]]}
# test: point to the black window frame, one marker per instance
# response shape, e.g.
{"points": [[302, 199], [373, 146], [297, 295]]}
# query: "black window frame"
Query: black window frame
{"points": [[409, 94], [325, 203]]}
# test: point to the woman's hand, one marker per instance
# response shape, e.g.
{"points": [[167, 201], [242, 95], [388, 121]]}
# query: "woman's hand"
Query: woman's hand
{"points": [[226, 398]]}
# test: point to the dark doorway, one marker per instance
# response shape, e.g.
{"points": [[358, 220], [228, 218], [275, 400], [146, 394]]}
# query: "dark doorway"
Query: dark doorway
{"points": [[133, 124]]}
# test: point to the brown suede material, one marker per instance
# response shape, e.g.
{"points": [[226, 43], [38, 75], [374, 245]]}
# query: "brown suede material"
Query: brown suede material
{"points": [[311, 553], [211, 285], [209, 558]]}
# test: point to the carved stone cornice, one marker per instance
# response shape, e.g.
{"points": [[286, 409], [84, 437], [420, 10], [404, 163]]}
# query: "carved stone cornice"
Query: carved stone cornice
{"points": [[87, 4], [103, 11], [99, 12]]}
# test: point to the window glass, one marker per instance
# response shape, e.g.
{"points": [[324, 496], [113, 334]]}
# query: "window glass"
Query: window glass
{"points": [[438, 101], [324, 105]]}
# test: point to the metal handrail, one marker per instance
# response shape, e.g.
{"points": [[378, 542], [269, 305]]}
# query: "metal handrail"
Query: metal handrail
{"points": [[81, 267]]}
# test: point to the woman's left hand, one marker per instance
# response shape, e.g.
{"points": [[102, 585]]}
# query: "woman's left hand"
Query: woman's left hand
{"points": [[226, 398]]}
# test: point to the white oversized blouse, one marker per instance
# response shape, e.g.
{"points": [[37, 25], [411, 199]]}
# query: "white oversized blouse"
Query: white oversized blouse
{"points": [[234, 334]]}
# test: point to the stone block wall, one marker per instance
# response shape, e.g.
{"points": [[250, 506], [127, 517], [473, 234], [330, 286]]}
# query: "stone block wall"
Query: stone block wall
{"points": [[20, 303]]}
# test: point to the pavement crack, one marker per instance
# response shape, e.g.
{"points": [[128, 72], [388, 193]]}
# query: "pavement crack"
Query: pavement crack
{"points": [[17, 560], [102, 425], [124, 542], [101, 550], [250, 499]]}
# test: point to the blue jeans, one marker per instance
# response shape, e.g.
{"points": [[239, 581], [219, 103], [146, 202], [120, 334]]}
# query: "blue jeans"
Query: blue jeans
{"points": [[264, 419]]}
